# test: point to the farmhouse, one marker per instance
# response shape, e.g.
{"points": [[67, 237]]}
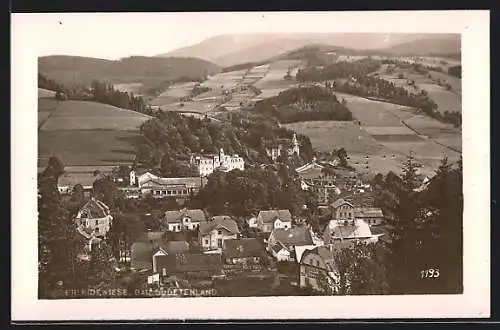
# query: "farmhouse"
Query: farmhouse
{"points": [[183, 220], [282, 242], [273, 219], [207, 164], [215, 231], [243, 251]]}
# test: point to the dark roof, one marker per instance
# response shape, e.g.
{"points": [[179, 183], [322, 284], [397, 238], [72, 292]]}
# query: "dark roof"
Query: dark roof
{"points": [[175, 246], [339, 202], [186, 262], [242, 248], [220, 221], [368, 212], [141, 255], [293, 236], [176, 216], [271, 215], [95, 209]]}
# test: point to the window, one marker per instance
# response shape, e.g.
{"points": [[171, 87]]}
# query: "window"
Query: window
{"points": [[219, 232], [97, 222], [164, 270], [219, 243], [207, 241]]}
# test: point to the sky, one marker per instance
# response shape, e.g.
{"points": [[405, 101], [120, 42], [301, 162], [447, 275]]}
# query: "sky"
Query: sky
{"points": [[117, 35]]}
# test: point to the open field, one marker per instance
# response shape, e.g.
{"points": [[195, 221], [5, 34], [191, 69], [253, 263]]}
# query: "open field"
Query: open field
{"points": [[226, 80], [84, 115], [376, 113], [91, 147], [456, 83], [446, 100], [328, 135]]}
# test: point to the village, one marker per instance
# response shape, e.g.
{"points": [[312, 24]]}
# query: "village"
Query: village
{"points": [[194, 249]]}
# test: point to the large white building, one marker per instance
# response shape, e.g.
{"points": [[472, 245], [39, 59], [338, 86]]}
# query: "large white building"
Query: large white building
{"points": [[207, 164]]}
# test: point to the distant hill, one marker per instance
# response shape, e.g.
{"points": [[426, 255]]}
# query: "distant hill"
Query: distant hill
{"points": [[74, 70], [228, 50], [428, 47]]}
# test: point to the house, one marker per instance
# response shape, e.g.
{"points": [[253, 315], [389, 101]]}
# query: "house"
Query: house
{"points": [[183, 220], [312, 170], [207, 164], [348, 230], [282, 242], [373, 216], [215, 231], [252, 222], [141, 250], [199, 265], [273, 219], [157, 187], [243, 251], [94, 219], [166, 249], [342, 210], [318, 270]]}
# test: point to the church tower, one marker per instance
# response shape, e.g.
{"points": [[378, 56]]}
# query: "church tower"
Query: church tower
{"points": [[132, 177], [295, 145]]}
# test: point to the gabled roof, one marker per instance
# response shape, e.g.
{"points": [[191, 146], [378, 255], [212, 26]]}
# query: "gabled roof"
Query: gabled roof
{"points": [[292, 236], [339, 202], [173, 247], [220, 221], [350, 229], [368, 212], [271, 215], [186, 262], [196, 215], [94, 209], [242, 248]]}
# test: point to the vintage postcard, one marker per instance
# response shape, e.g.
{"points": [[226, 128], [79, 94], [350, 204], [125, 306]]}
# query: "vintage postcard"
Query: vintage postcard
{"points": [[276, 165]]}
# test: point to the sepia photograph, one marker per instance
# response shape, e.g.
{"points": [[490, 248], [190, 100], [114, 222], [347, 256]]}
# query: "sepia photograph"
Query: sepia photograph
{"points": [[259, 160]]}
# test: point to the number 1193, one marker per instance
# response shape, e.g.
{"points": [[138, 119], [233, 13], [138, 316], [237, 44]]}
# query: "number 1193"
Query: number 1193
{"points": [[430, 273]]}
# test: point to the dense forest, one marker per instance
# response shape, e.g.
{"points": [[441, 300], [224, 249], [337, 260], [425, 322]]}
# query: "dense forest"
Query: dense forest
{"points": [[338, 70], [46, 83], [303, 104]]}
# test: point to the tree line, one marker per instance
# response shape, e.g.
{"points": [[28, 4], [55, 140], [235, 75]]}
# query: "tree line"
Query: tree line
{"points": [[338, 70], [303, 104]]}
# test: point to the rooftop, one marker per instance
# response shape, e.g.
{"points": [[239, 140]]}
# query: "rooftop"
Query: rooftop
{"points": [[220, 221], [293, 236], [271, 215], [242, 248], [196, 215]]}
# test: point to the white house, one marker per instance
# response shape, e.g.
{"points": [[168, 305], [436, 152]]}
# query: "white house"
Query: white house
{"points": [[94, 218], [348, 230], [215, 231], [158, 187], [342, 210], [207, 164], [184, 219], [269, 220]]}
